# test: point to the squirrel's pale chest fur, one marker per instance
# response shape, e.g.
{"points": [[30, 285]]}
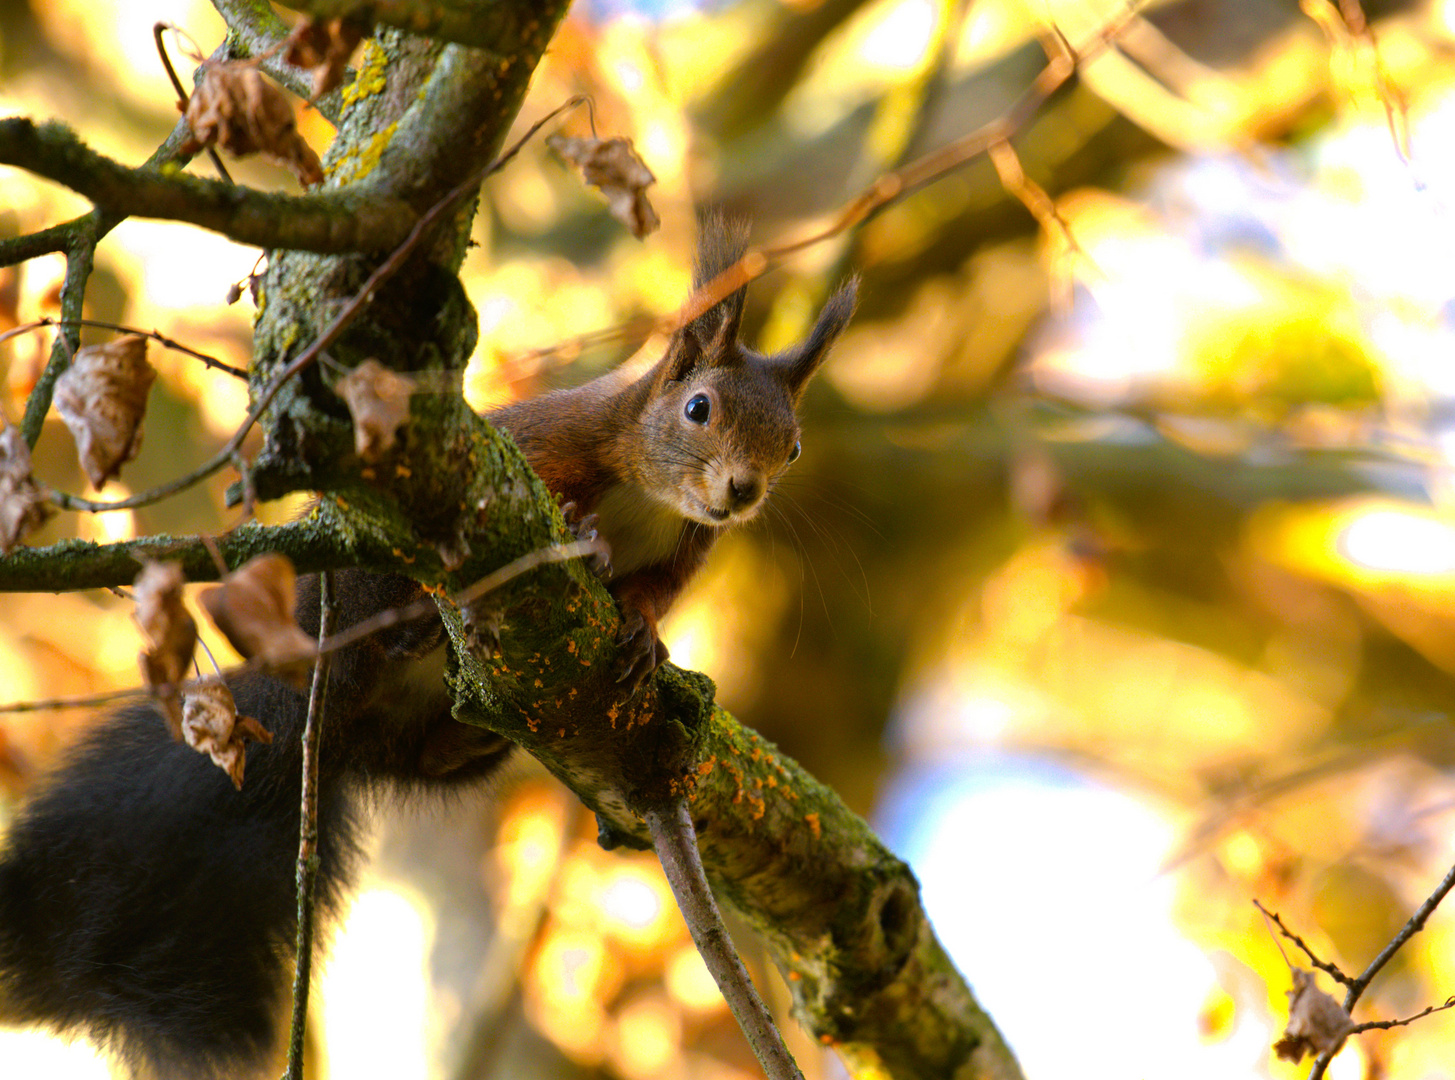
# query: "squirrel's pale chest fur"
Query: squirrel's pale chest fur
{"points": [[639, 528]]}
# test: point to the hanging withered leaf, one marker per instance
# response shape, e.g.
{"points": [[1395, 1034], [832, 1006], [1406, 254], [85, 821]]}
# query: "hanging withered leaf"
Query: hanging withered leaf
{"points": [[1317, 1023], [236, 108], [378, 400], [102, 397], [613, 166], [324, 46], [171, 636], [211, 726], [253, 607], [23, 505]]}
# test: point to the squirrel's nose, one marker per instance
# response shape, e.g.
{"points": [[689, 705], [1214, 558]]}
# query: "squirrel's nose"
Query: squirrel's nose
{"points": [[745, 491]]}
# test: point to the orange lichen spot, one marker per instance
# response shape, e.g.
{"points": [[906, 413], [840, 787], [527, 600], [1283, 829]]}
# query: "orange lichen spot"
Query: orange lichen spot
{"points": [[759, 807], [756, 754], [408, 560], [571, 693], [772, 781], [570, 646], [342, 502], [561, 732], [532, 723], [794, 976], [814, 825], [402, 472], [434, 590], [706, 766], [612, 713], [539, 684], [827, 1040], [367, 472]]}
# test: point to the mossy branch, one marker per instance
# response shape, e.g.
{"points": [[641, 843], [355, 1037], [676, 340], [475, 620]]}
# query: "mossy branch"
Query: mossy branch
{"points": [[349, 219]]}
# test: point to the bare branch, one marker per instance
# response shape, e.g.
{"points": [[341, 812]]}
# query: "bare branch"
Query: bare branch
{"points": [[675, 840], [307, 872], [1332, 970]]}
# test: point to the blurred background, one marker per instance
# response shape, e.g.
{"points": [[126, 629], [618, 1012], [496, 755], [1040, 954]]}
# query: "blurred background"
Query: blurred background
{"points": [[1114, 584]]}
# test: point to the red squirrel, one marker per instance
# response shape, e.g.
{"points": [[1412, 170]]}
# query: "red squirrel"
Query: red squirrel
{"points": [[147, 904], [660, 467]]}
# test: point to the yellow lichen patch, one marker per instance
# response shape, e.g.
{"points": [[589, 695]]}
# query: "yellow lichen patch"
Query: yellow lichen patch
{"points": [[370, 77], [360, 160]]}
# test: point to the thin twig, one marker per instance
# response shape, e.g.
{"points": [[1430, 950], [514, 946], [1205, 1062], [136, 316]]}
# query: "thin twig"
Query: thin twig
{"points": [[307, 872], [1385, 1025], [121, 328], [1332, 970], [675, 840], [888, 188], [361, 299], [157, 30], [490, 582], [73, 703]]}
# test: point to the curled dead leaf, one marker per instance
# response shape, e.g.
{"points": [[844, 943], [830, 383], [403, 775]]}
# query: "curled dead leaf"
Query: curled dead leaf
{"points": [[253, 607], [236, 108], [324, 46], [613, 166], [211, 726], [102, 397], [171, 635], [378, 400], [23, 505], [1317, 1023]]}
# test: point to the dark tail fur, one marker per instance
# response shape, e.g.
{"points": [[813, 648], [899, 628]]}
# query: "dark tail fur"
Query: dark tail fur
{"points": [[147, 904]]}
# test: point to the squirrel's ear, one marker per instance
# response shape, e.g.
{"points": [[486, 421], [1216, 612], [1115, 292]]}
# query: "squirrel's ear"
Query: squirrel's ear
{"points": [[800, 362], [721, 242]]}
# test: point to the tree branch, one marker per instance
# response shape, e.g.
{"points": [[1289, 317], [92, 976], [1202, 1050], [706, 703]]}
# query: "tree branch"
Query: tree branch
{"points": [[493, 26], [348, 219], [81, 564]]}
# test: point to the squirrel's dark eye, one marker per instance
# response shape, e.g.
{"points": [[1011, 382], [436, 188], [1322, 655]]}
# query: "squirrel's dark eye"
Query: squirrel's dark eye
{"points": [[699, 408], [793, 454]]}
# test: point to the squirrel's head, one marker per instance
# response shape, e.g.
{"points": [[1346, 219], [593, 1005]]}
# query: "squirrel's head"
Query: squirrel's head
{"points": [[723, 418]]}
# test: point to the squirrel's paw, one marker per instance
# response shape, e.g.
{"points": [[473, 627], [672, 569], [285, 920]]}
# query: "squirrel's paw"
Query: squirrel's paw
{"points": [[642, 651], [584, 528]]}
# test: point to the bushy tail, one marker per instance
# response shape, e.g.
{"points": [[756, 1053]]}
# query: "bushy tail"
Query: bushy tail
{"points": [[146, 903]]}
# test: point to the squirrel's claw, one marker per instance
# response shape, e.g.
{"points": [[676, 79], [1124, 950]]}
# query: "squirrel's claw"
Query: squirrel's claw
{"points": [[584, 528], [642, 651]]}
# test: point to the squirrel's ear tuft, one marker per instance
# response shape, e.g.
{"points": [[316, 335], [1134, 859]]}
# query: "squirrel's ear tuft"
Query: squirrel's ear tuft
{"points": [[721, 242], [800, 362]]}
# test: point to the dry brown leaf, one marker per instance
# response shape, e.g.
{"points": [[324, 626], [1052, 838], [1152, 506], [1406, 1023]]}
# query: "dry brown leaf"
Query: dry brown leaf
{"points": [[613, 166], [211, 726], [253, 607], [171, 636], [1317, 1023], [324, 45], [378, 400], [23, 506], [235, 108], [102, 397]]}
